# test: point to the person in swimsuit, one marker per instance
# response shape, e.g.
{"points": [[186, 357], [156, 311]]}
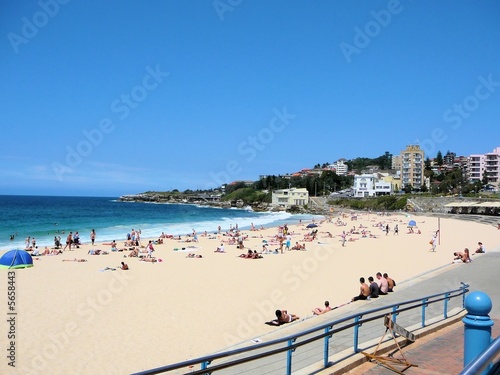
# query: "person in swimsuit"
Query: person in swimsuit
{"points": [[282, 317]]}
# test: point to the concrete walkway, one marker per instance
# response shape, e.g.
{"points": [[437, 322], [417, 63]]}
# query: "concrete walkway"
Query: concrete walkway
{"points": [[442, 352], [424, 352]]}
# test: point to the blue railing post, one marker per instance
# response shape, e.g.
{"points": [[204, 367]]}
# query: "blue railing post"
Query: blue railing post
{"points": [[446, 299], [356, 332], [464, 287], [477, 325], [424, 306], [289, 357], [204, 366], [326, 344], [394, 313]]}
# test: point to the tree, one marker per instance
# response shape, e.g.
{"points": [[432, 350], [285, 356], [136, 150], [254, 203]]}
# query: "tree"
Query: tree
{"points": [[427, 164], [439, 158], [484, 180]]}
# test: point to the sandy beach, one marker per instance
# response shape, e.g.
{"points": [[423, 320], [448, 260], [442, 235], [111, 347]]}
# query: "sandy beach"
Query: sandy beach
{"points": [[79, 317]]}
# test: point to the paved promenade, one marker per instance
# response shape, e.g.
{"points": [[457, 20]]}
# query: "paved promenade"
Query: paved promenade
{"points": [[442, 351], [436, 353]]}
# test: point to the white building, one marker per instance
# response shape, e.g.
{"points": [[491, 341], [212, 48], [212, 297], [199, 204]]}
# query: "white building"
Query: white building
{"points": [[369, 185], [340, 167], [290, 197], [484, 165]]}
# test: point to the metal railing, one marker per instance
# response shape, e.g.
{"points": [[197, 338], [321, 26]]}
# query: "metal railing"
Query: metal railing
{"points": [[483, 360], [317, 344]]}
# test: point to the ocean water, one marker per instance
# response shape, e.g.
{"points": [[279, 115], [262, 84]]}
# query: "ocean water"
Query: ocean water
{"points": [[44, 217]]}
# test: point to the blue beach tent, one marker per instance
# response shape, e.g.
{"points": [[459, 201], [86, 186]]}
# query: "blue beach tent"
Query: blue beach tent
{"points": [[16, 259]]}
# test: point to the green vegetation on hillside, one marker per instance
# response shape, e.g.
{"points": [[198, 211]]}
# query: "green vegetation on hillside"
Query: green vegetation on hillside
{"points": [[385, 202], [247, 195]]}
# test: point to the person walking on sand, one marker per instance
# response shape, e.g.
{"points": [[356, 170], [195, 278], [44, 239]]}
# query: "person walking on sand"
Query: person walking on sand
{"points": [[92, 236], [343, 235], [69, 241], [433, 242]]}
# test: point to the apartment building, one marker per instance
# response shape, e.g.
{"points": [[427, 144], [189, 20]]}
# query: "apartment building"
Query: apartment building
{"points": [[412, 166]]}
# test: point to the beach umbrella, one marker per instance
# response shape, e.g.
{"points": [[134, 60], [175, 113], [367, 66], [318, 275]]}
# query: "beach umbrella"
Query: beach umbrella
{"points": [[412, 223], [16, 259], [312, 225]]}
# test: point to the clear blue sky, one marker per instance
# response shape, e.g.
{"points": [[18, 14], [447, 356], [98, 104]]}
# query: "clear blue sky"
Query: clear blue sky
{"points": [[117, 97]]}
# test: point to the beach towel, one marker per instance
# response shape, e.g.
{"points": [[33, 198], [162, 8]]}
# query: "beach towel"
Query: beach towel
{"points": [[273, 323]]}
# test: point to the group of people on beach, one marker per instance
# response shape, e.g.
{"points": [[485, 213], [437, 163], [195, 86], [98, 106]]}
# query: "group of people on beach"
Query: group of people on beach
{"points": [[464, 257], [374, 289]]}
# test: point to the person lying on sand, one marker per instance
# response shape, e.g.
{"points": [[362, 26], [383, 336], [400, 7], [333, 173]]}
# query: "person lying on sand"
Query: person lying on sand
{"points": [[283, 317], [97, 252], [322, 310], [74, 260], [151, 260], [249, 254], [193, 255]]}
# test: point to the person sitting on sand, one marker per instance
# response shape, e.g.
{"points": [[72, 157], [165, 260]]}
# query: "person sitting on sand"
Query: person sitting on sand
{"points": [[256, 255], [282, 317], [390, 282], [320, 310], [480, 249], [467, 256], [462, 257], [124, 266], [374, 288], [220, 249], [134, 253], [364, 291], [265, 249], [382, 284]]}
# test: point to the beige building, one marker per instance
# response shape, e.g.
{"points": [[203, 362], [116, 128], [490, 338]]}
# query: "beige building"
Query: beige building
{"points": [[290, 197], [412, 167]]}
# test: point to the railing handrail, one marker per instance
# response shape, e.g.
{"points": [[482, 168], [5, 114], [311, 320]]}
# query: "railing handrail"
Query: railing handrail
{"points": [[479, 364], [209, 358]]}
